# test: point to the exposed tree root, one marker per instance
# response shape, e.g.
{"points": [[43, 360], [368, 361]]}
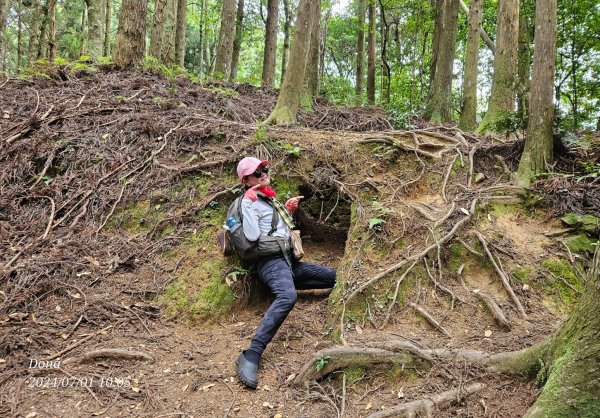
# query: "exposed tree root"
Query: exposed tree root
{"points": [[340, 357], [493, 307], [426, 407], [109, 353], [502, 275]]}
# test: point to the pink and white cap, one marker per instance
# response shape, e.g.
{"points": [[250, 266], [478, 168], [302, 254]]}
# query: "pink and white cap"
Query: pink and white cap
{"points": [[248, 165]]}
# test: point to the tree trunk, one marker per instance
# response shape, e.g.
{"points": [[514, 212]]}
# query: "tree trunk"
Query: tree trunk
{"points": [[468, 114], [524, 65], [288, 101], [237, 40], [286, 38], [360, 53], [571, 363], [538, 145], [19, 34], [158, 29], [224, 51], [323, 44], [52, 33], [371, 54], [107, 27], [94, 31], [130, 42], [34, 29], [180, 32], [386, 72], [270, 52], [201, 41], [3, 21], [311, 74], [45, 21], [84, 30], [438, 108], [502, 97]]}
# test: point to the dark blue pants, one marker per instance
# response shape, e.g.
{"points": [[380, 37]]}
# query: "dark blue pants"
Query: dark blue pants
{"points": [[277, 274]]}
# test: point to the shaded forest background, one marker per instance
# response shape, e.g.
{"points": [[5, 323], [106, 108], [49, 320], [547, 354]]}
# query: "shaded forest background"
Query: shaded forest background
{"points": [[186, 34]]}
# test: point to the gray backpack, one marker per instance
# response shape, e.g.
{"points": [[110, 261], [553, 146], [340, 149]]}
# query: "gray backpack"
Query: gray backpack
{"points": [[232, 240]]}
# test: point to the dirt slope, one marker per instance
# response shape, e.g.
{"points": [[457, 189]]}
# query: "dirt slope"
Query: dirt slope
{"points": [[113, 186]]}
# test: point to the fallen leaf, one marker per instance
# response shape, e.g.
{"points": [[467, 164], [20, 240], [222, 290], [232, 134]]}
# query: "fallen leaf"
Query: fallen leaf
{"points": [[267, 405], [525, 287], [401, 393], [58, 308], [358, 329], [92, 261], [18, 315], [265, 387], [290, 378], [488, 333], [32, 414], [183, 389], [463, 210], [369, 406], [278, 415], [2, 360]]}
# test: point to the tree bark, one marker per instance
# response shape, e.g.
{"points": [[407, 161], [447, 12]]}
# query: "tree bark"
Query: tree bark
{"points": [[130, 42], [438, 108], [52, 33], [224, 51], [484, 36], [289, 97], [502, 97], [286, 38], [3, 22], [107, 27], [538, 144], [180, 32], [158, 29], [84, 30], [468, 115], [34, 28], [270, 52], [19, 34], [524, 65], [94, 30], [311, 74], [385, 66], [237, 40], [371, 54], [201, 56], [43, 37], [360, 53]]}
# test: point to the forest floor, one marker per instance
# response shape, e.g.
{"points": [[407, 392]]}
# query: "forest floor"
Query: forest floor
{"points": [[114, 185]]}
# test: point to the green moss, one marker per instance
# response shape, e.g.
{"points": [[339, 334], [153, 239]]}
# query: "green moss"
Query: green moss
{"points": [[214, 300], [458, 253], [500, 209], [137, 217], [587, 223], [353, 374], [403, 373], [522, 274], [561, 268], [582, 243]]}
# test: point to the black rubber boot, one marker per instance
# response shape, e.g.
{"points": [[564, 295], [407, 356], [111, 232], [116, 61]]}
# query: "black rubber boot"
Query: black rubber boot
{"points": [[247, 371]]}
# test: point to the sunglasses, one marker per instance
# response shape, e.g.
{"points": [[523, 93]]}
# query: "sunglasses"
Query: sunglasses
{"points": [[260, 172]]}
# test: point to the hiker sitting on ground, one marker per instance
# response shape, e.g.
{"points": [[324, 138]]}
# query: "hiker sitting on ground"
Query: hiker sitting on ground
{"points": [[280, 272]]}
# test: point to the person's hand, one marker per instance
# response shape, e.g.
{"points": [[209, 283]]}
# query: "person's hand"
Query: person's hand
{"points": [[292, 203], [251, 193]]}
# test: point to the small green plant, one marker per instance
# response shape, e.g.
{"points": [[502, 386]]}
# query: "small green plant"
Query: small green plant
{"points": [[292, 150], [233, 276], [376, 224], [321, 362], [261, 133]]}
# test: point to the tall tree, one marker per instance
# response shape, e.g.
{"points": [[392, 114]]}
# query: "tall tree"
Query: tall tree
{"points": [[237, 40], [311, 75], [224, 51], [286, 37], [502, 96], [438, 108], [360, 52], [524, 65], [130, 42], [270, 51], [292, 87], [180, 27], [468, 114], [3, 21], [538, 144], [371, 53], [107, 24], [94, 30], [164, 31], [386, 72]]}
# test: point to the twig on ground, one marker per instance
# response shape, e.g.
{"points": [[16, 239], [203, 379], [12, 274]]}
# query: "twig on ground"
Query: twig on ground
{"points": [[389, 312], [430, 319], [109, 353], [446, 177], [493, 307]]}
